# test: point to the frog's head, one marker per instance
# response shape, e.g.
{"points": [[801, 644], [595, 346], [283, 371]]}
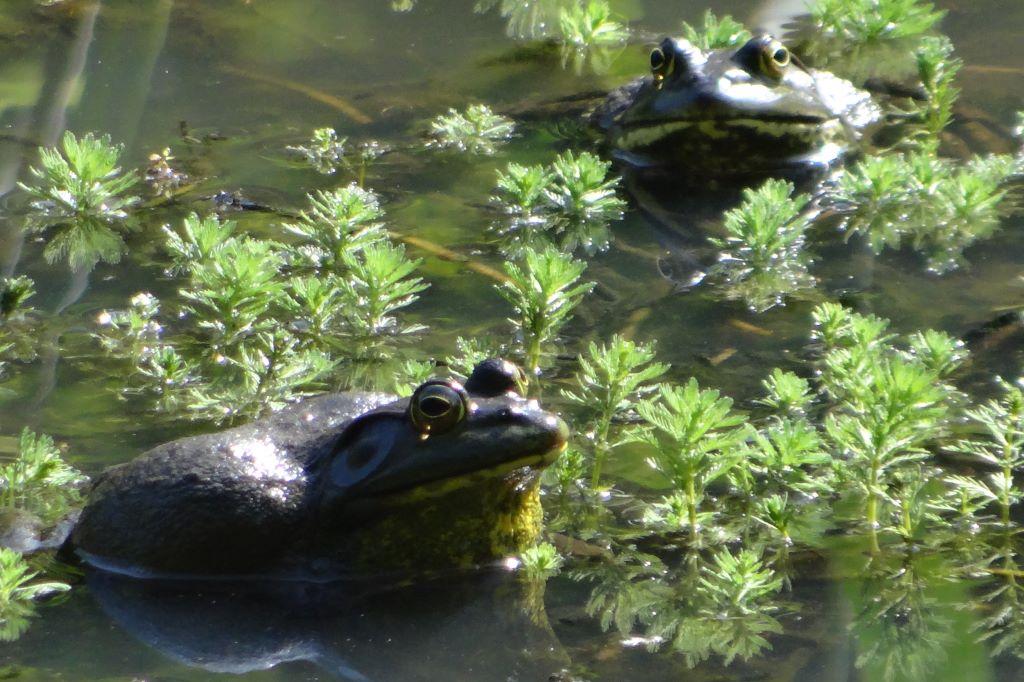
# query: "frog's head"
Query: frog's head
{"points": [[447, 477], [755, 109]]}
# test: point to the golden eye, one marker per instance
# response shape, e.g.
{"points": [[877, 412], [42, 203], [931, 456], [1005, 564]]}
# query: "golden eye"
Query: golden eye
{"points": [[437, 406], [661, 65], [774, 59]]}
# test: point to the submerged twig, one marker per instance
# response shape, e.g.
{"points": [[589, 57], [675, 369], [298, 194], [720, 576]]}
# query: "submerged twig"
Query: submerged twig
{"points": [[309, 91]]}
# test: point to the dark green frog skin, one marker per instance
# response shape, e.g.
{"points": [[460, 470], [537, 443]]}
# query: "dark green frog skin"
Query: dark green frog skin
{"points": [[754, 110], [338, 485]]}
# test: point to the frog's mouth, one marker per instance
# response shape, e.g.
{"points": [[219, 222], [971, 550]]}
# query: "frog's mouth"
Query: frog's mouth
{"points": [[644, 133], [517, 473], [767, 118]]}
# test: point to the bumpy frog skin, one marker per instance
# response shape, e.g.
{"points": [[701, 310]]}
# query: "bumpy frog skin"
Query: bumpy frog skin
{"points": [[749, 111], [338, 485]]}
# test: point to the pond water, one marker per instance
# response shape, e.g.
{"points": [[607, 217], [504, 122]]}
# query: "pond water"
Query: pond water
{"points": [[248, 78]]}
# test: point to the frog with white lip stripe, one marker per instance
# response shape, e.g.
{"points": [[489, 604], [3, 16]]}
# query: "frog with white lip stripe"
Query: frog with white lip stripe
{"points": [[751, 111]]}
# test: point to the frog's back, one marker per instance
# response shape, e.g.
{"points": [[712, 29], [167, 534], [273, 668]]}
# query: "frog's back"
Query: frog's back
{"points": [[229, 502]]}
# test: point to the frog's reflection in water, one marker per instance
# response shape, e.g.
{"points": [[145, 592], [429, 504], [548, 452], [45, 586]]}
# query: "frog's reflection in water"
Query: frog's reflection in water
{"points": [[481, 626]]}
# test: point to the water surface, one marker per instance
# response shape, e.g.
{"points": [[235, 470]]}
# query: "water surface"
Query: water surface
{"points": [[242, 73]]}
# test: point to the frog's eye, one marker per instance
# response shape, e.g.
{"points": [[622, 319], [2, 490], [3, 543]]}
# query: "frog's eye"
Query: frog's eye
{"points": [[661, 65], [437, 406], [774, 59]]}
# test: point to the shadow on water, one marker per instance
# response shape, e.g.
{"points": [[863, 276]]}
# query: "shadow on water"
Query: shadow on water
{"points": [[482, 626]]}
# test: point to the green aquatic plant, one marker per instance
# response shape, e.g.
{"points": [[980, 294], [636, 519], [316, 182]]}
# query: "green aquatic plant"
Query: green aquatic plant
{"points": [[82, 194], [787, 394], [1002, 422], [765, 237], [693, 437], [198, 242], [14, 291], [132, 332], [470, 351], [524, 190], [325, 151], [231, 294], [937, 68], [380, 282], [572, 187], [874, 196], [902, 628], [612, 378], [477, 131], [19, 588], [543, 291], [262, 323], [38, 480], [787, 455], [735, 588], [939, 207], [722, 605], [587, 35], [589, 23], [890, 405], [581, 189], [82, 182], [716, 33], [566, 204], [870, 20], [271, 370], [541, 561], [338, 224], [626, 590], [18, 339]]}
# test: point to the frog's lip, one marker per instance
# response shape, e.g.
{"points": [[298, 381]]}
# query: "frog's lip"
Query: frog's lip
{"points": [[790, 119], [473, 470]]}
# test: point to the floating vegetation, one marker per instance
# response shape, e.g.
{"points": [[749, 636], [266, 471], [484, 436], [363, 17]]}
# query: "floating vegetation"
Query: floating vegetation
{"points": [[38, 480], [541, 561], [892, 403], [573, 199], [328, 153], [937, 69], [543, 290], [715, 33], [83, 182], [478, 131], [524, 190], [693, 434], [266, 322], [379, 284], [869, 20], [581, 189], [14, 291], [941, 208], [81, 193], [18, 591], [765, 261], [325, 151], [612, 378], [587, 35], [589, 24], [16, 339], [863, 463], [338, 223]]}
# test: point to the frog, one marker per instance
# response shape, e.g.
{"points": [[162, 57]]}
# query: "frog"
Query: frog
{"points": [[335, 486], [755, 110]]}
